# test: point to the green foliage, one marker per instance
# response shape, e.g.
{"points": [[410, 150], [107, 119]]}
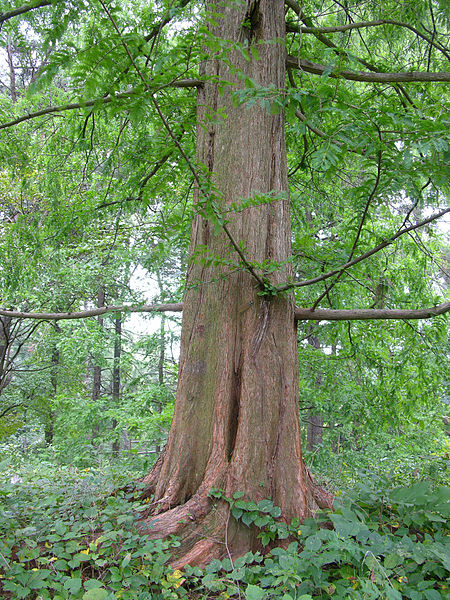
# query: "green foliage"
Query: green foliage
{"points": [[69, 534], [65, 536], [379, 542]]}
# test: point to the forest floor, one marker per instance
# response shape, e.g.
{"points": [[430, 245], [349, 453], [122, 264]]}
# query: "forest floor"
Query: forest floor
{"points": [[68, 533]]}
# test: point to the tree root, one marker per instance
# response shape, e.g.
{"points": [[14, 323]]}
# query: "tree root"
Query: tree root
{"points": [[205, 528]]}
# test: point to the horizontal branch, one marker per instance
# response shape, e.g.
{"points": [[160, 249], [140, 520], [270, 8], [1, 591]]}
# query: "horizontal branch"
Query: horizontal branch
{"points": [[181, 83], [94, 312], [294, 28], [301, 314], [22, 10], [365, 314], [410, 76]]}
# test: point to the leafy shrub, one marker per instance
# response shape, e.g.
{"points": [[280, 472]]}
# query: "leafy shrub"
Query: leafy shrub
{"points": [[377, 543]]}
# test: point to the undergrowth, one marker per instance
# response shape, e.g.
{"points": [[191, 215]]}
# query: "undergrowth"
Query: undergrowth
{"points": [[69, 534]]}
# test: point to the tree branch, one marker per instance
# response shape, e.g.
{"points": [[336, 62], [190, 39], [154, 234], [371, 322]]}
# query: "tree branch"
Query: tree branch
{"points": [[300, 314], [22, 9], [181, 83], [165, 20], [367, 254], [7, 410], [349, 26], [411, 76], [365, 314], [95, 312]]}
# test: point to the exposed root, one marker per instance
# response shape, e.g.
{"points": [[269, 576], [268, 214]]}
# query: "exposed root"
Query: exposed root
{"points": [[205, 529], [202, 553]]}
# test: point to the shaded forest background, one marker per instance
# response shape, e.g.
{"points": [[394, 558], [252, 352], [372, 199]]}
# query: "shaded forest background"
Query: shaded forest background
{"points": [[85, 221]]}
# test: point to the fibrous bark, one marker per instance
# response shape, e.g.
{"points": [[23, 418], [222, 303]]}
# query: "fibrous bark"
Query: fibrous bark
{"points": [[236, 423]]}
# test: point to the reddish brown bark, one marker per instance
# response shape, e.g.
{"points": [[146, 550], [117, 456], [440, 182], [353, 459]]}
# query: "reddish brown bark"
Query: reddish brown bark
{"points": [[236, 423]]}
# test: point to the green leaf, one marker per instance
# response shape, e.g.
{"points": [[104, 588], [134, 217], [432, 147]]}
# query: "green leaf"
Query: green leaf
{"points": [[19, 590], [393, 594], [96, 594], [432, 594], [313, 543], [248, 518], [265, 505], [254, 592], [91, 584], [126, 560], [276, 512], [392, 560]]}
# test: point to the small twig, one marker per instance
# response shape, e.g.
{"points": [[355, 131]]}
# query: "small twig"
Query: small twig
{"points": [[5, 561]]}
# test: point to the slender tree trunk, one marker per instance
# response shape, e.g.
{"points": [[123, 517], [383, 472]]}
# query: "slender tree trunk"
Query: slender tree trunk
{"points": [[49, 425], [5, 329], [161, 360], [162, 350], [315, 419], [236, 424], [12, 71], [116, 374], [314, 430], [97, 370]]}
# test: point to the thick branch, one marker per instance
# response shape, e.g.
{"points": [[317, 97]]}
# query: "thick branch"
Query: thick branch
{"points": [[94, 312], [181, 83], [412, 76], [365, 314], [22, 9], [301, 314]]}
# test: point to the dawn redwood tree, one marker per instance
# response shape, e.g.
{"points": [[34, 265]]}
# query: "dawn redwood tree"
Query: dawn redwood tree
{"points": [[236, 422]]}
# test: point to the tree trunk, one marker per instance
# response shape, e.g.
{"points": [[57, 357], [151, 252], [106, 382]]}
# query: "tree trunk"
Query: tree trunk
{"points": [[97, 370], [12, 71], [314, 430], [162, 350], [5, 341], [315, 419], [116, 376], [49, 425], [236, 424]]}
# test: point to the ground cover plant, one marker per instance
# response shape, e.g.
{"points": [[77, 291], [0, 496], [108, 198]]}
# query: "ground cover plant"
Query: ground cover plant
{"points": [[69, 533]]}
